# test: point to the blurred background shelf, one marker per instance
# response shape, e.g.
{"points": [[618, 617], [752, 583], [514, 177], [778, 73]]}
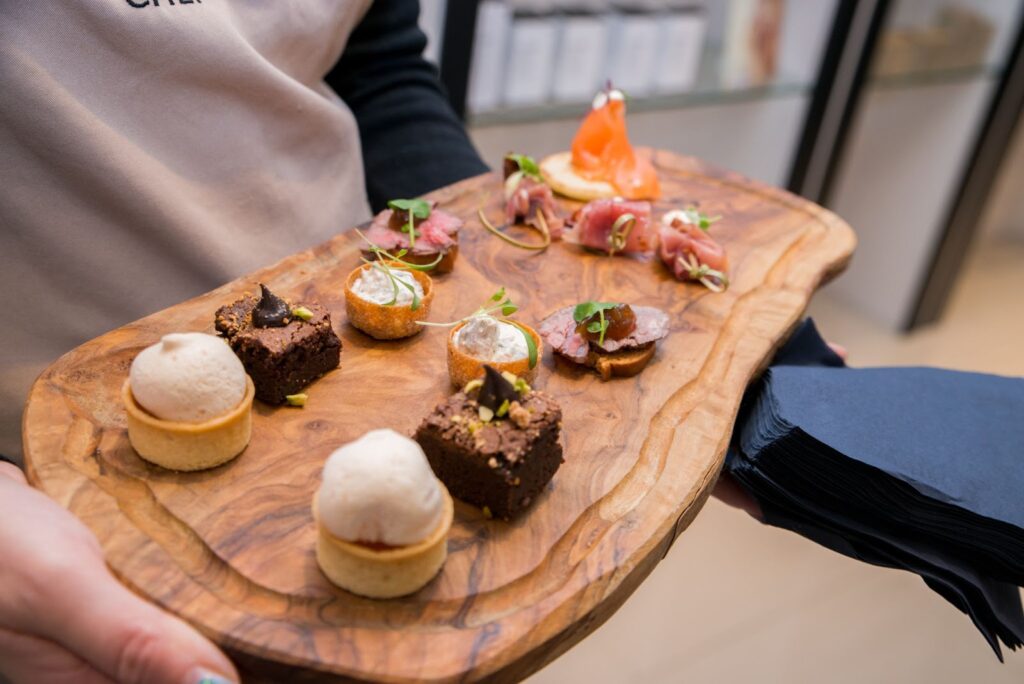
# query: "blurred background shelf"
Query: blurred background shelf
{"points": [[649, 103], [894, 113]]}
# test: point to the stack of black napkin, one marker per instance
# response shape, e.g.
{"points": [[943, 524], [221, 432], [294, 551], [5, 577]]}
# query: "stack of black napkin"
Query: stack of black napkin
{"points": [[913, 468]]}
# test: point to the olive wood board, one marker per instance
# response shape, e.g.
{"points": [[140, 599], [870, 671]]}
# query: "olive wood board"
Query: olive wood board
{"points": [[231, 549]]}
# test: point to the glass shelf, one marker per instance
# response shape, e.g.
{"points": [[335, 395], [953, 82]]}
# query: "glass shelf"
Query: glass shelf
{"points": [[935, 77], [694, 98]]}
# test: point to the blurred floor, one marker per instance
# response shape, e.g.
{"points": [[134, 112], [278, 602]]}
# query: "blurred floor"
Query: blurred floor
{"points": [[737, 601]]}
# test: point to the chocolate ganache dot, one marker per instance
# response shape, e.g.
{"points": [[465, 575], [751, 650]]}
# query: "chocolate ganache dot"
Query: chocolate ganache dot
{"points": [[496, 390], [271, 311]]}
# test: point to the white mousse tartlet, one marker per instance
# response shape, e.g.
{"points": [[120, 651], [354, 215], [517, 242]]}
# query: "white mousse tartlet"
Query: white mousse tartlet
{"points": [[484, 339], [382, 517], [385, 300], [189, 402]]}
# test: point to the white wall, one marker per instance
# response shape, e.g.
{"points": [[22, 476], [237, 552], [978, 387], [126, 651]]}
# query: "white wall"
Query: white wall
{"points": [[896, 186]]}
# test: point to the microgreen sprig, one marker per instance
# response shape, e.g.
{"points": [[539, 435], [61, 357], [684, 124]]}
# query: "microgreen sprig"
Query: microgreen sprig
{"points": [[414, 209], [587, 310], [387, 263], [498, 301], [698, 218]]}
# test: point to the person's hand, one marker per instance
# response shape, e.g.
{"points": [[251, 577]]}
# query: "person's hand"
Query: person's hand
{"points": [[728, 490], [65, 619]]}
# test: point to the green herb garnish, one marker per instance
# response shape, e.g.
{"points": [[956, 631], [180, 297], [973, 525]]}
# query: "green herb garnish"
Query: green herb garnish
{"points": [[588, 310], [297, 399], [507, 308], [414, 209], [698, 218], [527, 165]]}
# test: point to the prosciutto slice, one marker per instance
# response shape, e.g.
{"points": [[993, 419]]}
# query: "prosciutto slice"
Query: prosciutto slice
{"points": [[530, 198], [594, 225], [438, 233], [559, 331], [690, 253]]}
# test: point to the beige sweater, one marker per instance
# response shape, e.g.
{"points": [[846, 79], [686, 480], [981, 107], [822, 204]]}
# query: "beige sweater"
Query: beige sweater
{"points": [[151, 150]]}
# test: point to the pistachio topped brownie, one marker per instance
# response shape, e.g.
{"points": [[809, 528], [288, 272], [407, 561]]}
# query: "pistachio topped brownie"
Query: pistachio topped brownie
{"points": [[495, 444], [283, 347]]}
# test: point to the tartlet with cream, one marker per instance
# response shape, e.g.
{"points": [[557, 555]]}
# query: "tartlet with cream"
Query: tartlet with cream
{"points": [[188, 402], [382, 517], [385, 299], [482, 338], [485, 340]]}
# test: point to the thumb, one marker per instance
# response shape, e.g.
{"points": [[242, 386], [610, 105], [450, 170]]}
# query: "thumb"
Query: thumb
{"points": [[126, 638]]}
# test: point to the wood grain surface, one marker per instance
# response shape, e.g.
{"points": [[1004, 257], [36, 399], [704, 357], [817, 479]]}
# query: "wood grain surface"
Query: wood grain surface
{"points": [[231, 549]]}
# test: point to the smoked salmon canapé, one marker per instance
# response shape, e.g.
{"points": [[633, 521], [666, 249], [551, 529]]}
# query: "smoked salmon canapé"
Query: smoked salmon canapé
{"points": [[602, 163]]}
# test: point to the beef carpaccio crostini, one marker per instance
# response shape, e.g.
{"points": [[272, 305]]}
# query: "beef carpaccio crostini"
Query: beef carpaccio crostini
{"points": [[418, 227], [690, 252], [613, 338], [614, 226]]}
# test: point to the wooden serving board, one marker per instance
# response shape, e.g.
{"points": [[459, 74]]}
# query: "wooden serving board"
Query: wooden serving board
{"points": [[231, 549]]}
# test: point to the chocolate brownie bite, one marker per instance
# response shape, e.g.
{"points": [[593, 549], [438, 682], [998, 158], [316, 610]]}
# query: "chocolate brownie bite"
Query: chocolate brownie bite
{"points": [[495, 444], [283, 347]]}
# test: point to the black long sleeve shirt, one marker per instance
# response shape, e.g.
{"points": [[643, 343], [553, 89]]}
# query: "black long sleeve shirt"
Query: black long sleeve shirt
{"points": [[412, 140]]}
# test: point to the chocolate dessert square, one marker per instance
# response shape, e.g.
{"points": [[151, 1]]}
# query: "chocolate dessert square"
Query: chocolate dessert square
{"points": [[283, 358], [502, 464]]}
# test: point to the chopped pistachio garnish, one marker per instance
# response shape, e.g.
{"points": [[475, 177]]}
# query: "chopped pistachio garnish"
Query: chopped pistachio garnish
{"points": [[303, 313], [474, 384], [486, 414], [522, 386], [511, 377], [297, 399], [503, 409]]}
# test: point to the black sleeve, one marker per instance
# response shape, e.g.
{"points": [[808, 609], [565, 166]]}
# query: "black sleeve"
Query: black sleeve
{"points": [[412, 140]]}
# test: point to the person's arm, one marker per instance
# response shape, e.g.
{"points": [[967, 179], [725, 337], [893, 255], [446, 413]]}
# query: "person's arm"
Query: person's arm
{"points": [[412, 140]]}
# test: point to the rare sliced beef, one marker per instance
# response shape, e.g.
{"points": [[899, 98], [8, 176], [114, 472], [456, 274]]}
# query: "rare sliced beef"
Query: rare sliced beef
{"points": [[438, 233], [530, 198], [685, 245], [595, 221]]}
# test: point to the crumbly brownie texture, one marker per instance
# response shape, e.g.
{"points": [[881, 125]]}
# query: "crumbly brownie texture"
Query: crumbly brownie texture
{"points": [[280, 360], [501, 465]]}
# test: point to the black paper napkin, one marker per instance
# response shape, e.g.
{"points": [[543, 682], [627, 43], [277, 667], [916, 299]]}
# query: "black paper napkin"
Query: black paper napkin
{"points": [[912, 468]]}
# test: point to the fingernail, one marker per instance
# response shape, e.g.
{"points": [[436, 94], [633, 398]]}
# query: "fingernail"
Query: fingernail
{"points": [[202, 676]]}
